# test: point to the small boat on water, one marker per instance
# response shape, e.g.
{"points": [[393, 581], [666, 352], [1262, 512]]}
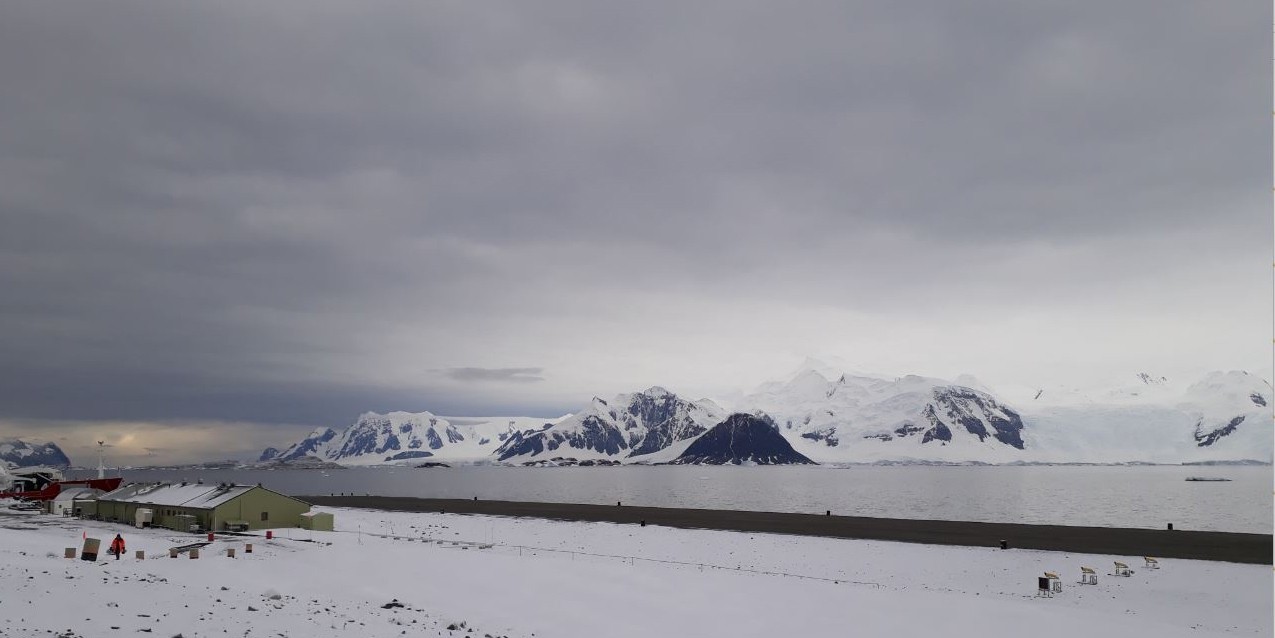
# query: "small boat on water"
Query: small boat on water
{"points": [[1207, 478]]}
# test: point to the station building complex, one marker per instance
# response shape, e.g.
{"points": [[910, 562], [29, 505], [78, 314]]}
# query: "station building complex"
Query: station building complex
{"points": [[199, 507]]}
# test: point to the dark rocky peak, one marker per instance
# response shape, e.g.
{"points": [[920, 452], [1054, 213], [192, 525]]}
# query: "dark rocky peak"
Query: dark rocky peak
{"points": [[1205, 438], [829, 436], [653, 407], [975, 411], [742, 439]]}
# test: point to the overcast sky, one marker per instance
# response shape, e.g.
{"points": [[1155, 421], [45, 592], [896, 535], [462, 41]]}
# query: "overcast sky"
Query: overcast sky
{"points": [[225, 222]]}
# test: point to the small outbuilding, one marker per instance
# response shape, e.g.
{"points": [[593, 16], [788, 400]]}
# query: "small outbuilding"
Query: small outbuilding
{"points": [[70, 501], [317, 521], [85, 506], [198, 506]]}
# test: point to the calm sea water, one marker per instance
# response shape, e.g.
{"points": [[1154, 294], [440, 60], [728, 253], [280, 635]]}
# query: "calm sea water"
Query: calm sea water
{"points": [[1097, 496]]}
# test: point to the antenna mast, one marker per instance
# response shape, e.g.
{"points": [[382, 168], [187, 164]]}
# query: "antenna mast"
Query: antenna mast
{"points": [[101, 465]]}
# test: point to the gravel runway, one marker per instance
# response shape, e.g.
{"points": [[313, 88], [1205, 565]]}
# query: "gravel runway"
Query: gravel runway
{"points": [[1217, 546]]}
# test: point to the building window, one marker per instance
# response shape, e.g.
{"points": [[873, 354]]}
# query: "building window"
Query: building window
{"points": [[265, 516]]}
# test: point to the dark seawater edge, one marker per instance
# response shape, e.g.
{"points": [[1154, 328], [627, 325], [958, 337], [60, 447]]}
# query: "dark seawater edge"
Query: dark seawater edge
{"points": [[1105, 496]]}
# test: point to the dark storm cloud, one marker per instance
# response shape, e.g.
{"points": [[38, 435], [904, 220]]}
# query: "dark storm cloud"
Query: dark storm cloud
{"points": [[503, 375], [294, 212]]}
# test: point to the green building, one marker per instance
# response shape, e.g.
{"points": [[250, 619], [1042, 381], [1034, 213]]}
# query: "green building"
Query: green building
{"points": [[199, 506]]}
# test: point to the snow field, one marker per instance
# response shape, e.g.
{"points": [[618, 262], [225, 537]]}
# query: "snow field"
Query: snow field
{"points": [[502, 579]]}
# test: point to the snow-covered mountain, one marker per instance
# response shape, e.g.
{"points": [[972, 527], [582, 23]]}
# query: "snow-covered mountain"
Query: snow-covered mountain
{"points": [[1223, 416], [865, 418], [18, 453], [742, 439], [630, 426], [1146, 418], [406, 437], [852, 418]]}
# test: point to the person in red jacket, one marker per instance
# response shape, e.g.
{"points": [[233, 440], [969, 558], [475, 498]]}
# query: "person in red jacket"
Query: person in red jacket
{"points": [[117, 546]]}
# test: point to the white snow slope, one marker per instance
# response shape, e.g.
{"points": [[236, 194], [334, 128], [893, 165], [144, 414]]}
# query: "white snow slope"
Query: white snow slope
{"points": [[571, 580], [1224, 416]]}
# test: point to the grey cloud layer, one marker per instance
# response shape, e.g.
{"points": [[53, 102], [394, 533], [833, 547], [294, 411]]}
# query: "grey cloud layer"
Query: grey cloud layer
{"points": [[297, 212], [506, 375]]}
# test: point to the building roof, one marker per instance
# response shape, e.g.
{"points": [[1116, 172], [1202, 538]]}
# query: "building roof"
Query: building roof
{"points": [[74, 493], [193, 495]]}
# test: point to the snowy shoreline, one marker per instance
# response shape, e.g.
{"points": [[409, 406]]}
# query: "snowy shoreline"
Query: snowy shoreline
{"points": [[521, 577]]}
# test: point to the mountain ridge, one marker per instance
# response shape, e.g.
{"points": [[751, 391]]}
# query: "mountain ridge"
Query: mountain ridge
{"points": [[15, 452], [850, 418]]}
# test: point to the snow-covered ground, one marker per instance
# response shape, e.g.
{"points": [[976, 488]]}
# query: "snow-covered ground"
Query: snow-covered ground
{"points": [[529, 577]]}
